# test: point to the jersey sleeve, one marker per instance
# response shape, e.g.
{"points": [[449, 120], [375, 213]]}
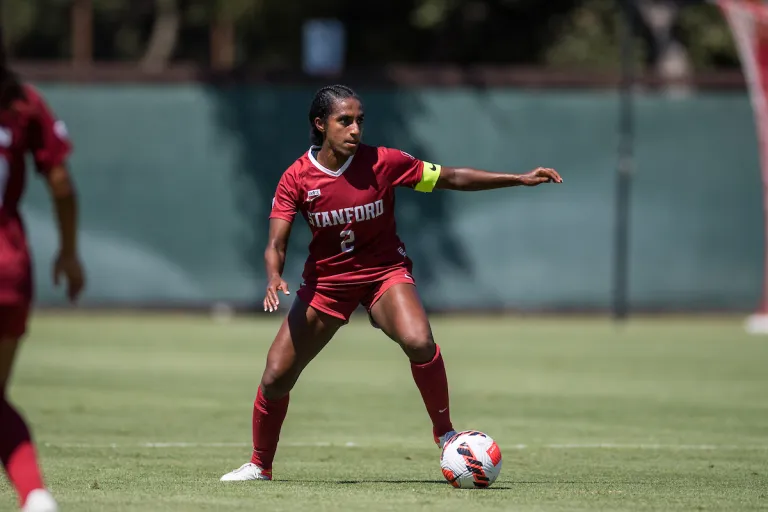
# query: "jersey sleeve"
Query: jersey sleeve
{"points": [[406, 171], [285, 203], [48, 139]]}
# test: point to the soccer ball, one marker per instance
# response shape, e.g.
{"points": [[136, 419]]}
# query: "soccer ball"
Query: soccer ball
{"points": [[471, 460]]}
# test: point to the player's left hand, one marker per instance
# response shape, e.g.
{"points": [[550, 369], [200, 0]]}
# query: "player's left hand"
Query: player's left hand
{"points": [[69, 266], [540, 175]]}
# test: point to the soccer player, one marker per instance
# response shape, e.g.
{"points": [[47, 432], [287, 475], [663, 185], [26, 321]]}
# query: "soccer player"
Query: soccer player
{"points": [[28, 126], [345, 191]]}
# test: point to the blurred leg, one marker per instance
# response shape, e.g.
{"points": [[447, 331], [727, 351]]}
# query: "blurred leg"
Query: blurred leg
{"points": [[17, 452]]}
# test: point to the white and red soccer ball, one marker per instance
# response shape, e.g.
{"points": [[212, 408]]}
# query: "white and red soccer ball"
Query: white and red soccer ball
{"points": [[471, 460]]}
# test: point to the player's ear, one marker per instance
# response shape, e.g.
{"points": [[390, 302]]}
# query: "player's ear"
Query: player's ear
{"points": [[320, 125]]}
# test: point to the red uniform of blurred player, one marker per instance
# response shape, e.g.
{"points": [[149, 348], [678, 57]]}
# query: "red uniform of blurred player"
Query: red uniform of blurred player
{"points": [[28, 126], [345, 191]]}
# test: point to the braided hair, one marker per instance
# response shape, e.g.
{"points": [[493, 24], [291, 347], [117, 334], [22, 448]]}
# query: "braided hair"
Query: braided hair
{"points": [[10, 86], [322, 105]]}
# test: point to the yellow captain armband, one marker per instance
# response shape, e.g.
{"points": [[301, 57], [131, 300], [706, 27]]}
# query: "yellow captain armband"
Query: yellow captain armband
{"points": [[428, 177]]}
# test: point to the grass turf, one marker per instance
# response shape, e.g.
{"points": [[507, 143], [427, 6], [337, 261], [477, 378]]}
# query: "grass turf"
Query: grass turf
{"points": [[145, 413]]}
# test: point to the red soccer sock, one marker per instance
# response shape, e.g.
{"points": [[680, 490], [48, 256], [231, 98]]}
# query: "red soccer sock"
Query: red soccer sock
{"points": [[268, 417], [18, 453], [432, 382]]}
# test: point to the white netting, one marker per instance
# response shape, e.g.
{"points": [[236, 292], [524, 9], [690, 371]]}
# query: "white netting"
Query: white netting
{"points": [[748, 21]]}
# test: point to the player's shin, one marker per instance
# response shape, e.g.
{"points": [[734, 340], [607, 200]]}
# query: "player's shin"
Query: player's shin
{"points": [[268, 417], [432, 382], [18, 453]]}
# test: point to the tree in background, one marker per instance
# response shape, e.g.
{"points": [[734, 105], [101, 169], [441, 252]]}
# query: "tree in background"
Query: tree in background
{"points": [[674, 36], [164, 36]]}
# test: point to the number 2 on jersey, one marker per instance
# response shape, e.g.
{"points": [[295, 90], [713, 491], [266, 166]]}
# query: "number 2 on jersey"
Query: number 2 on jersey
{"points": [[348, 240]]}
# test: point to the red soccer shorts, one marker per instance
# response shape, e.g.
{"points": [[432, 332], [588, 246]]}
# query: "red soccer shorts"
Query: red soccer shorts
{"points": [[340, 301], [13, 321], [15, 279]]}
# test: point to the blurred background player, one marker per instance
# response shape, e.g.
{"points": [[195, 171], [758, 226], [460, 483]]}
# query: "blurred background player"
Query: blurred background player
{"points": [[28, 126], [345, 191]]}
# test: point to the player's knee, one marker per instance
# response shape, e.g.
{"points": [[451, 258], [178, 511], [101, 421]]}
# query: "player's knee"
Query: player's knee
{"points": [[419, 346], [274, 389], [276, 382]]}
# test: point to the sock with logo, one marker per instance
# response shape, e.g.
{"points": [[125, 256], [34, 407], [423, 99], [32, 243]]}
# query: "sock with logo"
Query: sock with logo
{"points": [[432, 382], [268, 417]]}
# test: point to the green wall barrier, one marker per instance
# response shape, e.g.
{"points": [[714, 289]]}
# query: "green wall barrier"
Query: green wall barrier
{"points": [[176, 182]]}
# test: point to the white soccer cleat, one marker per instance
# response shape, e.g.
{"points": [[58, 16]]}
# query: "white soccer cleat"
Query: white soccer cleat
{"points": [[40, 500], [440, 441], [248, 471]]}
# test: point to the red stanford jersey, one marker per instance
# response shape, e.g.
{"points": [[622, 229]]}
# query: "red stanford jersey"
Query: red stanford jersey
{"points": [[351, 212], [27, 127]]}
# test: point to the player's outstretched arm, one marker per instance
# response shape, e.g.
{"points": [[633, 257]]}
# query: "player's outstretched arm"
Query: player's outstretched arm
{"points": [[274, 259], [460, 178], [67, 263]]}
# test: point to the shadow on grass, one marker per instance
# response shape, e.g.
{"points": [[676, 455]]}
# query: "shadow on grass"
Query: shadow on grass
{"points": [[499, 486], [381, 481]]}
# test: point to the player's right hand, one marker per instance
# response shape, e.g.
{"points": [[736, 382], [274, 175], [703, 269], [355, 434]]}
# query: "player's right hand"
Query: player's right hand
{"points": [[271, 300], [68, 267]]}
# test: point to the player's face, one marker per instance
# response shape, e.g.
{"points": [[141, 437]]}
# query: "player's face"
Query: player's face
{"points": [[344, 128]]}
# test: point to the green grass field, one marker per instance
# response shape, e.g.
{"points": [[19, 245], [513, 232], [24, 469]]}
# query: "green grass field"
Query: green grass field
{"points": [[145, 413]]}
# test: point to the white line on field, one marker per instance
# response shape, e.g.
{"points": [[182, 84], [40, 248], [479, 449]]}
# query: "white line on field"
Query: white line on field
{"points": [[655, 446], [185, 445], [566, 446]]}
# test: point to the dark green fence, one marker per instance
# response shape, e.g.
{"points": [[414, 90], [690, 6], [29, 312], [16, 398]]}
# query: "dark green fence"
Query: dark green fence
{"points": [[176, 183]]}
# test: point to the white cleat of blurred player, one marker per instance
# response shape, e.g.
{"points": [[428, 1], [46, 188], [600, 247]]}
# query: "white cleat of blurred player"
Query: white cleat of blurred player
{"points": [[440, 441], [40, 500], [248, 471]]}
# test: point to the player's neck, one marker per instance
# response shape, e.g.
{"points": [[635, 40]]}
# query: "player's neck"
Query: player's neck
{"points": [[331, 160]]}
